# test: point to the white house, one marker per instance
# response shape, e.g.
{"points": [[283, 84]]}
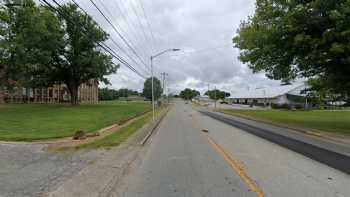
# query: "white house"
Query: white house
{"points": [[287, 94]]}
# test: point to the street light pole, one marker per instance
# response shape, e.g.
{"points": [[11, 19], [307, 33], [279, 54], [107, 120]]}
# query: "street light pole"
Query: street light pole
{"points": [[152, 88], [152, 76]]}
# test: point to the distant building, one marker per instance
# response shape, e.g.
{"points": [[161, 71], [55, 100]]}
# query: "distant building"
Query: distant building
{"points": [[288, 94], [55, 94], [202, 98]]}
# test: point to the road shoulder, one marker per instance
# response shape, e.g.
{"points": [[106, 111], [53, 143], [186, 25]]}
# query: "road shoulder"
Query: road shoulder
{"points": [[104, 177]]}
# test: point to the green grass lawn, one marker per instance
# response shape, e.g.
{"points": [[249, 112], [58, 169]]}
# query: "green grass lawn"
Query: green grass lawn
{"points": [[119, 136], [27, 122], [330, 121]]}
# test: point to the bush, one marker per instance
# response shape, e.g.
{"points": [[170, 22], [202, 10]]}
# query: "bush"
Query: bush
{"points": [[281, 106], [299, 106]]}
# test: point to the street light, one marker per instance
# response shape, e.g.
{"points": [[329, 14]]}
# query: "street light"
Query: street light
{"points": [[152, 57]]}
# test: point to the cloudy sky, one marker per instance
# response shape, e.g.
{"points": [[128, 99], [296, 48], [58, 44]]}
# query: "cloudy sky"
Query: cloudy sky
{"points": [[202, 29]]}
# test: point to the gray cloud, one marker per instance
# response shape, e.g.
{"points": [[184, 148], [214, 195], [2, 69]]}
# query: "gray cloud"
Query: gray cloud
{"points": [[203, 29]]}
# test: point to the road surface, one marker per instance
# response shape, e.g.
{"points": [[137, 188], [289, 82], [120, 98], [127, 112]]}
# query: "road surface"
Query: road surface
{"points": [[27, 170], [194, 155]]}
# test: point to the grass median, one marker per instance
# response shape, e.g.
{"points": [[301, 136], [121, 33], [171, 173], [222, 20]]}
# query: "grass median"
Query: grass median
{"points": [[329, 121], [29, 122]]}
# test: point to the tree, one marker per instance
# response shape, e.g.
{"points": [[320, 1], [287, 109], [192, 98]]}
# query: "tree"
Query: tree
{"points": [[30, 37], [147, 88], [81, 60], [124, 92], [105, 94], [217, 94], [289, 39], [111, 94], [189, 94]]}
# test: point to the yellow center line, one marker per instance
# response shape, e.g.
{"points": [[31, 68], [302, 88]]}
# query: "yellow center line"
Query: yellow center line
{"points": [[235, 165]]}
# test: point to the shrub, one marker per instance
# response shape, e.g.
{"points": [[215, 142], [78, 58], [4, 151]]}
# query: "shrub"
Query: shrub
{"points": [[299, 106], [281, 106]]}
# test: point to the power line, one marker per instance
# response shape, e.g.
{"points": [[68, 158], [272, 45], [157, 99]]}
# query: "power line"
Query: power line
{"points": [[123, 32], [131, 24], [116, 30], [121, 14], [138, 20], [113, 41], [148, 23], [102, 45]]}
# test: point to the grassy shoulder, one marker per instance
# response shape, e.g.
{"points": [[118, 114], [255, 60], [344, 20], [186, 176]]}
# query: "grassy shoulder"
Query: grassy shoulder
{"points": [[118, 136], [28, 122], [329, 121]]}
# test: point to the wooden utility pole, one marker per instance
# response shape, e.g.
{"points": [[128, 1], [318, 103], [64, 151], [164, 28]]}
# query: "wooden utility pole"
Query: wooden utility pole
{"points": [[164, 74], [215, 97]]}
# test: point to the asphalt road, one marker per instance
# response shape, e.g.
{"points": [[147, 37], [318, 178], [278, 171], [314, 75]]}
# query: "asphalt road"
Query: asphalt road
{"points": [[194, 155], [331, 153]]}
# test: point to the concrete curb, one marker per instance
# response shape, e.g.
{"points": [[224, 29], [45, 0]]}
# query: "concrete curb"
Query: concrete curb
{"points": [[153, 126]]}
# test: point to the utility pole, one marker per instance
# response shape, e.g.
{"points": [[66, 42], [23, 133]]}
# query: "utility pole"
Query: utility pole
{"points": [[168, 95], [215, 97], [152, 88], [152, 75], [164, 74]]}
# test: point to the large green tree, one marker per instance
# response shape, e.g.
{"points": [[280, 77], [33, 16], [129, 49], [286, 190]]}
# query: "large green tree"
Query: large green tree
{"points": [[290, 39], [30, 37], [217, 94], [147, 88], [81, 61], [189, 94], [40, 48]]}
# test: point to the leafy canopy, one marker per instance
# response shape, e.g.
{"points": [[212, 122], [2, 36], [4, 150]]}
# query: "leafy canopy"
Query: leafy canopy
{"points": [[289, 39], [189, 94], [41, 48], [147, 88], [30, 37], [217, 94], [111, 94], [81, 60]]}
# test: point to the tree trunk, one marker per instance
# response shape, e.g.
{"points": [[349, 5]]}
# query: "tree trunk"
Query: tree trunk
{"points": [[73, 90], [2, 96]]}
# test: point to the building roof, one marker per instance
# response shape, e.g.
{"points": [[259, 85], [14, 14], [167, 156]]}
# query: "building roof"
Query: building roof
{"points": [[271, 92], [202, 96]]}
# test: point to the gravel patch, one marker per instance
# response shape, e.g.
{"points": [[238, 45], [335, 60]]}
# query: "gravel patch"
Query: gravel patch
{"points": [[30, 171]]}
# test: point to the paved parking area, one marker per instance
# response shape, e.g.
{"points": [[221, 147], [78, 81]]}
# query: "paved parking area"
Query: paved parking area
{"points": [[28, 170]]}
